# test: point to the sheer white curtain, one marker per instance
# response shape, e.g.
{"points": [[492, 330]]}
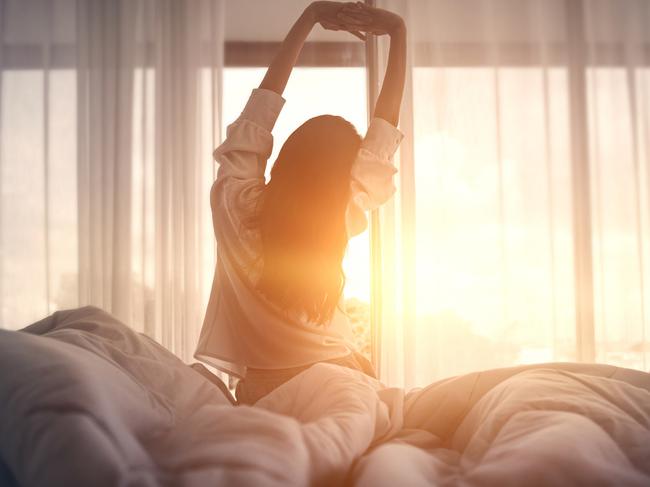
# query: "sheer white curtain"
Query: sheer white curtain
{"points": [[521, 229], [109, 112]]}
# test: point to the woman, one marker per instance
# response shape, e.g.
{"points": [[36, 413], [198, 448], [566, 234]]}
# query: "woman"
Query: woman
{"points": [[273, 310]]}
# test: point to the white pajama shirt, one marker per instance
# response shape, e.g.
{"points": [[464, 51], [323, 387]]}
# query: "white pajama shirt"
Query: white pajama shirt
{"points": [[241, 327]]}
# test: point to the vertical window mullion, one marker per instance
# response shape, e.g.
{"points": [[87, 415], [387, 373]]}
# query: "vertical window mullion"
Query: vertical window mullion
{"points": [[375, 249], [407, 215], [582, 237], [46, 48]]}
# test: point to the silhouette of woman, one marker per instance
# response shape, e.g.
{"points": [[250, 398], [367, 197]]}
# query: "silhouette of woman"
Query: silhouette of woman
{"points": [[274, 305]]}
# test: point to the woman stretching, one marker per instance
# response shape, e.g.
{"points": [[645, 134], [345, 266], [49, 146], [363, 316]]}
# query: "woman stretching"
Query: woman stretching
{"points": [[274, 306]]}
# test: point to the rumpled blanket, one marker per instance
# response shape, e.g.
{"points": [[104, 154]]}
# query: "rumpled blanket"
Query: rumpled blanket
{"points": [[84, 400]]}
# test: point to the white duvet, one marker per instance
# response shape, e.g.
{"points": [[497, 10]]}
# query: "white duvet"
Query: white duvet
{"points": [[86, 401]]}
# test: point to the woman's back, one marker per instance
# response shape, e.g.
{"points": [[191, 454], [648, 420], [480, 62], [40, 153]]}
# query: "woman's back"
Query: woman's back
{"points": [[273, 308]]}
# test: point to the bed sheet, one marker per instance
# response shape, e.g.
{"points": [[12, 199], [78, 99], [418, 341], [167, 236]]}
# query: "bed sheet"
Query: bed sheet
{"points": [[84, 400]]}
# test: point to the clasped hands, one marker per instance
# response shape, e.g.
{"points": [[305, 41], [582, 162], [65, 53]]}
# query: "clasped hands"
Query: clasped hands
{"points": [[357, 18]]}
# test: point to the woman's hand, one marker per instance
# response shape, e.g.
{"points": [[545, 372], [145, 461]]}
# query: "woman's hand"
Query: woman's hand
{"points": [[371, 20], [328, 14], [378, 21], [331, 16]]}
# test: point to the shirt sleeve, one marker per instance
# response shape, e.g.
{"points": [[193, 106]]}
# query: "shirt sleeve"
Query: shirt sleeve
{"points": [[249, 142], [242, 161], [372, 173]]}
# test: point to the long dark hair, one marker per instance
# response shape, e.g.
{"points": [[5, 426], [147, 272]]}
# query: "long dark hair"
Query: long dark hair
{"points": [[302, 218]]}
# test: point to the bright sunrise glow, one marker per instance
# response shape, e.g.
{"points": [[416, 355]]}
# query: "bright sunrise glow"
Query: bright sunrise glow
{"points": [[457, 238], [493, 240], [311, 92]]}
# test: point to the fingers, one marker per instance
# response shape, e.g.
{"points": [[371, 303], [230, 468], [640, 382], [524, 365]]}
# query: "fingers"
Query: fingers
{"points": [[330, 26], [354, 13], [351, 29], [353, 19], [353, 16], [354, 6], [358, 7]]}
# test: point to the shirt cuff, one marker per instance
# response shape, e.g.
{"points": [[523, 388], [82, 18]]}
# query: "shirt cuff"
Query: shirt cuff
{"points": [[263, 108], [382, 138]]}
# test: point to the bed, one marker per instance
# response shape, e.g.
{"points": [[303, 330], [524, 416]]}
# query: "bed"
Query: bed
{"points": [[84, 400]]}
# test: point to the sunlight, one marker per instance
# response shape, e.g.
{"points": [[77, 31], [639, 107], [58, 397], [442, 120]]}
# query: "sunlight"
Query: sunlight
{"points": [[339, 91]]}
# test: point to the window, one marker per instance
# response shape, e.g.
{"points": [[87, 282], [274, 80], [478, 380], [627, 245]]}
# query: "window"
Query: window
{"points": [[494, 247], [313, 91], [39, 194]]}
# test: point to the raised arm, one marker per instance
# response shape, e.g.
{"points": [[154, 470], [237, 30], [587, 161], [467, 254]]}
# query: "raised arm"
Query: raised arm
{"points": [[390, 96], [388, 23], [328, 14]]}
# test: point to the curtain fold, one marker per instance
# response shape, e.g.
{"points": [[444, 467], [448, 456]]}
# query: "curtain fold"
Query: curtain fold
{"points": [[617, 84], [519, 232], [112, 175], [105, 66]]}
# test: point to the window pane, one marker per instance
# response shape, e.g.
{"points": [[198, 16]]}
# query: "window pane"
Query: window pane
{"points": [[39, 216], [494, 257]]}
